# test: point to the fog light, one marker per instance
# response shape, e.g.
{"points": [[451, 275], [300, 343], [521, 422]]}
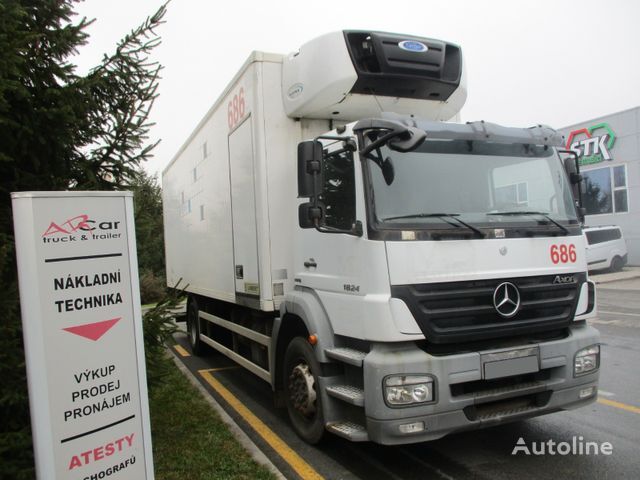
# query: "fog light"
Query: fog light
{"points": [[586, 392], [411, 427], [402, 390], [587, 360]]}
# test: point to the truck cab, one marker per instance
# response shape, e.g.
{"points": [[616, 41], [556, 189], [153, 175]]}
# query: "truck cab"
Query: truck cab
{"points": [[450, 265]]}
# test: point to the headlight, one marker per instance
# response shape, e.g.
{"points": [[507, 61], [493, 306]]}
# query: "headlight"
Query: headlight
{"points": [[402, 390], [586, 360]]}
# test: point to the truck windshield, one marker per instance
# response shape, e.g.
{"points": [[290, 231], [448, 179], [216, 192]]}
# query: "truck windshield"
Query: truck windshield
{"points": [[462, 184]]}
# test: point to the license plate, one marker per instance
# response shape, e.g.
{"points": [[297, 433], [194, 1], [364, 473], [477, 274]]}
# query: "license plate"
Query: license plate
{"points": [[509, 363]]}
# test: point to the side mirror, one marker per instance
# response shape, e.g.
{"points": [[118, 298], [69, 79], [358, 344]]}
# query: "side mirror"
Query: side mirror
{"points": [[309, 168], [388, 172], [310, 215], [577, 181], [571, 167], [582, 186]]}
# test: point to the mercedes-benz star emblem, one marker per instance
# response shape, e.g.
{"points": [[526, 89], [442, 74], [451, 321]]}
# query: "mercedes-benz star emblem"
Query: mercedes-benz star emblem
{"points": [[506, 299]]}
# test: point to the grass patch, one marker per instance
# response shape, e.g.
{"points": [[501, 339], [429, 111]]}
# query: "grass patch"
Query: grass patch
{"points": [[190, 441]]}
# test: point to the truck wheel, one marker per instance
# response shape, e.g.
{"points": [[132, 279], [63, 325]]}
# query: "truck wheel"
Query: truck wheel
{"points": [[301, 370], [616, 264], [193, 327]]}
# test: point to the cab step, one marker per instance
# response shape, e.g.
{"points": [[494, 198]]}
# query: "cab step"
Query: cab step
{"points": [[347, 393], [349, 430], [347, 355]]}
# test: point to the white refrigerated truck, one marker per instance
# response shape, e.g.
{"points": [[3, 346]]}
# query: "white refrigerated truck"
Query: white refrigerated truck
{"points": [[394, 277]]}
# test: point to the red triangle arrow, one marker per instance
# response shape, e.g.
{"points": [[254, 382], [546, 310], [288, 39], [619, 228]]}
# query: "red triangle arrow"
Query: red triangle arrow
{"points": [[93, 331]]}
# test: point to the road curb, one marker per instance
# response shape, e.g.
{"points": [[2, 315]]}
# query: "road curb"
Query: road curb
{"points": [[236, 431]]}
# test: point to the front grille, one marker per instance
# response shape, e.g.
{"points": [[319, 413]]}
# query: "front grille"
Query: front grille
{"points": [[501, 385], [506, 408], [464, 311]]}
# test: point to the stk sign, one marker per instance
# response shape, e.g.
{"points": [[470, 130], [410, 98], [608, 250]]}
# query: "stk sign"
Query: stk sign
{"points": [[592, 144], [80, 303]]}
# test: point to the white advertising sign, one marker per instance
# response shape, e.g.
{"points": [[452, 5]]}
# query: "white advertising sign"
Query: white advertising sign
{"points": [[82, 325]]}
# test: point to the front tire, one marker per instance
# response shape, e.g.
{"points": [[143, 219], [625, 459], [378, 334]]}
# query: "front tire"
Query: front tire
{"points": [[302, 396], [193, 327]]}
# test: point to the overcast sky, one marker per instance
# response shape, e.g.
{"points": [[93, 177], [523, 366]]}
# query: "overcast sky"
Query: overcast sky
{"points": [[553, 62]]}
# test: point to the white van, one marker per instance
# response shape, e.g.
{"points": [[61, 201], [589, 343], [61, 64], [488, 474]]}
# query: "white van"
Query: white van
{"points": [[606, 248]]}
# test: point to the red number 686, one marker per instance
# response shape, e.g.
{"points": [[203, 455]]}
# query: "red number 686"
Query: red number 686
{"points": [[236, 109], [563, 253]]}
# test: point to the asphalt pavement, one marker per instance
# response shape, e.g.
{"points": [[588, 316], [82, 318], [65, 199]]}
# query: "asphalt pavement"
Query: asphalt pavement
{"points": [[626, 276], [489, 453]]}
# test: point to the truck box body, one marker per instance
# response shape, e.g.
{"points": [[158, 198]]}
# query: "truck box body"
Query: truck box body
{"points": [[228, 194]]}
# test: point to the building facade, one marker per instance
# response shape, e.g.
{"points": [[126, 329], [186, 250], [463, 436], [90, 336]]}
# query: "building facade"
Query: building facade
{"points": [[608, 149]]}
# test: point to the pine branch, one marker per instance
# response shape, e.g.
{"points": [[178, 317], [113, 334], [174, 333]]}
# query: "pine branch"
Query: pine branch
{"points": [[123, 89]]}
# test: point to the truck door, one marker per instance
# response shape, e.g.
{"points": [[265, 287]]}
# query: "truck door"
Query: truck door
{"points": [[243, 211], [338, 267]]}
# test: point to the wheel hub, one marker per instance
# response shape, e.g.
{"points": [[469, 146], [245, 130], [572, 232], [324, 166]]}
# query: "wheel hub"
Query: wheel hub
{"points": [[302, 390]]}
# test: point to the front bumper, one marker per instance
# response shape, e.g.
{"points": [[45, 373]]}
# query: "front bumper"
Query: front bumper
{"points": [[456, 411]]}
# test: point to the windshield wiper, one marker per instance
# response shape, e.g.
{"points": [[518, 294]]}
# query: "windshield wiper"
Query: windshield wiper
{"points": [[542, 214], [443, 217]]}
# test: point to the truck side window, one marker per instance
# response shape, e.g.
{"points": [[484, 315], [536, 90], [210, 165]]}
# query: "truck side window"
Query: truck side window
{"points": [[339, 190]]}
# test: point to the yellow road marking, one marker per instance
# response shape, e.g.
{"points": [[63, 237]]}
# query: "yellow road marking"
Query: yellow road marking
{"points": [[623, 406], [181, 350], [301, 467]]}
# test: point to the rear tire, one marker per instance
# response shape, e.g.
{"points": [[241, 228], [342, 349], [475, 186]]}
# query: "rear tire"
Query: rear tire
{"points": [[303, 400], [193, 327], [616, 264]]}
